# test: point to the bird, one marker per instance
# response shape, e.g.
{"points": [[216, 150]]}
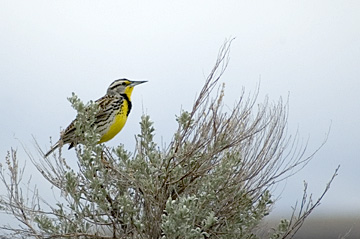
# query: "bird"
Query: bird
{"points": [[114, 109]]}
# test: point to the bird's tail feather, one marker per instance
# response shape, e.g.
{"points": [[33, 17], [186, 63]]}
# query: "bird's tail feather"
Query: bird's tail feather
{"points": [[56, 145]]}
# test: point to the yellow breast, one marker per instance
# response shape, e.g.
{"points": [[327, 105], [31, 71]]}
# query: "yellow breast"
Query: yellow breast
{"points": [[117, 124]]}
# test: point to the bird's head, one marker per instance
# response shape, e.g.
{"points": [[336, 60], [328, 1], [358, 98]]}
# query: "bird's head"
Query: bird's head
{"points": [[123, 86]]}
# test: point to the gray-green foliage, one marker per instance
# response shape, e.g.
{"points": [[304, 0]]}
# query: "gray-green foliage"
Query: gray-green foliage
{"points": [[212, 180], [281, 229]]}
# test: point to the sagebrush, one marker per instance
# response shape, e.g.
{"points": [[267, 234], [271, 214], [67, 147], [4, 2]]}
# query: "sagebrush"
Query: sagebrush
{"points": [[213, 180]]}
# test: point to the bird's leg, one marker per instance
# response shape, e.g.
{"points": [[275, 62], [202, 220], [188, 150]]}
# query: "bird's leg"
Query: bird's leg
{"points": [[104, 160]]}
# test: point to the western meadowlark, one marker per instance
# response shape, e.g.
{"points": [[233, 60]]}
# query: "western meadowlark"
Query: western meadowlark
{"points": [[114, 109]]}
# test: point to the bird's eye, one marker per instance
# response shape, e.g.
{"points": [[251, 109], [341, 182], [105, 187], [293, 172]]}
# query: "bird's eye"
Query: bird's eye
{"points": [[124, 83]]}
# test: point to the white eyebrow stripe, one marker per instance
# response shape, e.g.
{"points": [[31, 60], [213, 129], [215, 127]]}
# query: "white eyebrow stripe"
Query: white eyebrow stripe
{"points": [[117, 83]]}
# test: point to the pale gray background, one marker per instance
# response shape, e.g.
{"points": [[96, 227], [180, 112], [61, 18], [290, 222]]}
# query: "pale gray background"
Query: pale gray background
{"points": [[310, 49]]}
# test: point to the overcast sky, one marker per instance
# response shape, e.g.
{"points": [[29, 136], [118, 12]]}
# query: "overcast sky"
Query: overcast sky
{"points": [[309, 50]]}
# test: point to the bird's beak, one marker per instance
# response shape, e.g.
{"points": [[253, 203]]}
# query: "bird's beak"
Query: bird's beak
{"points": [[134, 83]]}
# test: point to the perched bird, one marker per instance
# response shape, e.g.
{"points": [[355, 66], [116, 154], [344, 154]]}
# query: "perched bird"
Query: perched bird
{"points": [[114, 108]]}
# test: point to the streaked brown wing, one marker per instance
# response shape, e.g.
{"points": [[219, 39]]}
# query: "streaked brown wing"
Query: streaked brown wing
{"points": [[108, 105]]}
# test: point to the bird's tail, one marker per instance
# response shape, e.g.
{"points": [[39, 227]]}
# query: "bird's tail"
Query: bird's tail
{"points": [[52, 149]]}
